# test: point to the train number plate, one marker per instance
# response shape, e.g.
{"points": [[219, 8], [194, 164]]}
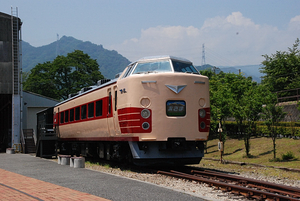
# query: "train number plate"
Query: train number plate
{"points": [[176, 108]]}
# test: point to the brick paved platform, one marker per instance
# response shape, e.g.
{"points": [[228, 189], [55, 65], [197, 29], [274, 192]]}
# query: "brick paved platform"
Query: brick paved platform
{"points": [[14, 187], [25, 177]]}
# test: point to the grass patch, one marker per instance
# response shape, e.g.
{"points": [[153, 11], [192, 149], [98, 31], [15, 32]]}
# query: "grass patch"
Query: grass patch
{"points": [[251, 170], [96, 163], [275, 160], [261, 151]]}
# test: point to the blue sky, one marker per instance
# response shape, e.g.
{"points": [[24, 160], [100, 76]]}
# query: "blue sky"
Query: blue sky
{"points": [[235, 32]]}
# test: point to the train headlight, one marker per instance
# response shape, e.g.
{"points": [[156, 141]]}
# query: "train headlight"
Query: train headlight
{"points": [[202, 113], [202, 125], [146, 125], [204, 119], [145, 113]]}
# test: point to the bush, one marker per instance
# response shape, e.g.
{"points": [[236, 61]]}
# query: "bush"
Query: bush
{"points": [[231, 129], [288, 156]]}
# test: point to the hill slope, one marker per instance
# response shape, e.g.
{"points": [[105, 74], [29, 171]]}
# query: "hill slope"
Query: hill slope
{"points": [[110, 61], [248, 70]]}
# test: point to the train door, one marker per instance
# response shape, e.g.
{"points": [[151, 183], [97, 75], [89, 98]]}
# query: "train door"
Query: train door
{"points": [[115, 112], [112, 116]]}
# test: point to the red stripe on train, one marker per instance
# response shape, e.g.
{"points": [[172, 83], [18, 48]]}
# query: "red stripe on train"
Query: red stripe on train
{"points": [[131, 121], [133, 139]]}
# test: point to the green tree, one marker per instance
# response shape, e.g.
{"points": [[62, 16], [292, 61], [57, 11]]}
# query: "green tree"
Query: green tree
{"points": [[246, 106], [220, 100], [272, 114], [282, 69], [233, 95], [65, 75], [41, 81]]}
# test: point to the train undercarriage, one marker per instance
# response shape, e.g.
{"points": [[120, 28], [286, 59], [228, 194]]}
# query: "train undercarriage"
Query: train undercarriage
{"points": [[175, 151]]}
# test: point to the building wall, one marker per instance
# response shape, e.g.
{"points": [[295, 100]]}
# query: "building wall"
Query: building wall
{"points": [[5, 78], [5, 54], [31, 119], [292, 112], [5, 82], [33, 103]]}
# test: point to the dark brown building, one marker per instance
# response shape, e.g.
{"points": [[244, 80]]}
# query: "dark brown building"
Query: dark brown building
{"points": [[10, 76]]}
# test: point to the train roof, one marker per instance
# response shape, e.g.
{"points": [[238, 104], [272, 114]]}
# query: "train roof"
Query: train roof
{"points": [[106, 82], [153, 58], [85, 90]]}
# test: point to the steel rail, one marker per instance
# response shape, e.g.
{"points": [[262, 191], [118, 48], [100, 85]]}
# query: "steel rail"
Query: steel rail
{"points": [[279, 187], [248, 192]]}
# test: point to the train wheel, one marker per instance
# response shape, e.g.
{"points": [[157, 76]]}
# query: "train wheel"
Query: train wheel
{"points": [[101, 150], [107, 152], [129, 158]]}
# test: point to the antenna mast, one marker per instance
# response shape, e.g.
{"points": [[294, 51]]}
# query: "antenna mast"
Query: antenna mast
{"points": [[57, 46], [203, 55]]}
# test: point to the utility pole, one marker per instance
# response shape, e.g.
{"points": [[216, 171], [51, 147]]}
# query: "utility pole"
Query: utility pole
{"points": [[57, 46], [220, 144], [203, 55]]}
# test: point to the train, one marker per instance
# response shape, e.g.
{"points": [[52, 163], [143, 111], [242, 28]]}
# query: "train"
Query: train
{"points": [[157, 111]]}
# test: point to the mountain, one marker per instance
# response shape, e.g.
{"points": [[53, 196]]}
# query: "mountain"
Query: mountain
{"points": [[110, 61], [247, 70]]}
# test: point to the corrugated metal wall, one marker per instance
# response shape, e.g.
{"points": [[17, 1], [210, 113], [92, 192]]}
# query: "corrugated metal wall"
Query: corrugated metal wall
{"points": [[5, 81], [5, 54]]}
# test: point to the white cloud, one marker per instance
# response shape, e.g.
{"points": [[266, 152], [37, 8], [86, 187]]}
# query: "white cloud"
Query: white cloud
{"points": [[294, 24], [296, 19], [230, 40]]}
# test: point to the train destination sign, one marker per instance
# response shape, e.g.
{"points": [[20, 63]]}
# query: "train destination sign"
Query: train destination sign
{"points": [[176, 108]]}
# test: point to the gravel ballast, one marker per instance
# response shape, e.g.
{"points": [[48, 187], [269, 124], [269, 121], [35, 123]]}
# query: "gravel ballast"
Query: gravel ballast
{"points": [[191, 187]]}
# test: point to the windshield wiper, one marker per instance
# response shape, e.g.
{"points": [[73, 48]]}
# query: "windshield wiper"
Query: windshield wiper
{"points": [[146, 72], [191, 72]]}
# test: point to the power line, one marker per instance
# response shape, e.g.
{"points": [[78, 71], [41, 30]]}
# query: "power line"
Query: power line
{"points": [[216, 57]]}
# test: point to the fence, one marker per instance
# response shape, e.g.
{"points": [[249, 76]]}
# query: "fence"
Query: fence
{"points": [[288, 95]]}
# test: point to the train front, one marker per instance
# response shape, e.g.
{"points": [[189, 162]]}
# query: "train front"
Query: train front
{"points": [[164, 103]]}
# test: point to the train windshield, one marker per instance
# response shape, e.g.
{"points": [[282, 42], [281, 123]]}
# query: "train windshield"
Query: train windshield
{"points": [[184, 67], [153, 67], [162, 66]]}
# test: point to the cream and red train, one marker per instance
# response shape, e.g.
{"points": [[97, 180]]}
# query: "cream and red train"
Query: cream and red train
{"points": [[157, 110]]}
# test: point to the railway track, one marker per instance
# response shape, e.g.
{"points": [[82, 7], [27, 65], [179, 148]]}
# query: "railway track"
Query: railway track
{"points": [[250, 188]]}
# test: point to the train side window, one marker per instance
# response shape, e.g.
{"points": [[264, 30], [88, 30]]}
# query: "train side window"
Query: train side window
{"points": [[62, 117], [71, 114], [67, 116], [126, 72], [109, 102], [99, 108], [129, 70], [91, 110], [83, 112], [77, 113]]}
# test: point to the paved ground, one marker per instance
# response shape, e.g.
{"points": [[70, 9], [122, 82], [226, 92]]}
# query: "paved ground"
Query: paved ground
{"points": [[24, 177], [18, 187]]}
